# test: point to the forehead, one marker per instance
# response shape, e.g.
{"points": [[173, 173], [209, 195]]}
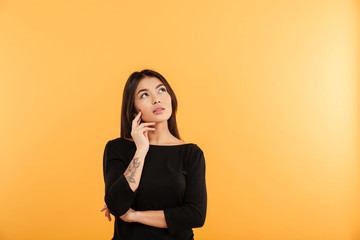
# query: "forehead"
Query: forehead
{"points": [[148, 83]]}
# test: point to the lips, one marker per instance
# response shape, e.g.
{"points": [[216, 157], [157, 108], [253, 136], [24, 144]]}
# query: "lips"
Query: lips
{"points": [[158, 108]]}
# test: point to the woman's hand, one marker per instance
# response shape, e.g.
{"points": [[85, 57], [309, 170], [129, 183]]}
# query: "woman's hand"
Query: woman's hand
{"points": [[107, 213], [139, 133], [129, 216]]}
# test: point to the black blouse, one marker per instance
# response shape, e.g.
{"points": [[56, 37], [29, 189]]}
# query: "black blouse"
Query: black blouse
{"points": [[173, 180]]}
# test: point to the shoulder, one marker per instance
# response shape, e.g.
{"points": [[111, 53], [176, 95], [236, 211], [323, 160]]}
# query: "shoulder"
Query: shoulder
{"points": [[118, 146], [196, 155], [111, 143], [196, 149], [117, 142], [114, 140]]}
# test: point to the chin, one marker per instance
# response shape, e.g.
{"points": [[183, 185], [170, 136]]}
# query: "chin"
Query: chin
{"points": [[163, 119]]}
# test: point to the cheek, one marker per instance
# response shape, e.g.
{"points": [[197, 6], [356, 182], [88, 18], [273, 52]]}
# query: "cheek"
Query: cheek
{"points": [[142, 105], [168, 99]]}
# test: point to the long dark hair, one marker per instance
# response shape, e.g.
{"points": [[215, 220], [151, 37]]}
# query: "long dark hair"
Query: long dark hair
{"points": [[128, 108]]}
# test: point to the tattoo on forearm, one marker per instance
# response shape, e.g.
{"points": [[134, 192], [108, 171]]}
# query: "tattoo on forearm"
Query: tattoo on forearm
{"points": [[131, 170]]}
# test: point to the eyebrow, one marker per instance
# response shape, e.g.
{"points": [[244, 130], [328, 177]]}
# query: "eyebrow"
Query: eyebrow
{"points": [[161, 84]]}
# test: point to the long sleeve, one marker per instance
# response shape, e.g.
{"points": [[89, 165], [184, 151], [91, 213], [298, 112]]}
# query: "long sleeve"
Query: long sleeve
{"points": [[118, 194], [193, 212]]}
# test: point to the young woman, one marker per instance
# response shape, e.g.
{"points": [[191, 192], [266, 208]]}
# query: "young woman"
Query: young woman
{"points": [[154, 182]]}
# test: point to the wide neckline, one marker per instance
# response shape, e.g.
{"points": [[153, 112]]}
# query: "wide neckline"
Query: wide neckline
{"points": [[151, 145]]}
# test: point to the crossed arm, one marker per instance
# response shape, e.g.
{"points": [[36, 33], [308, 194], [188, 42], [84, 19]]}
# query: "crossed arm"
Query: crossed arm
{"points": [[155, 218]]}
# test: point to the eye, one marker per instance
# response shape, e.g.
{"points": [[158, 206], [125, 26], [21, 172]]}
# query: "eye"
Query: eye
{"points": [[142, 95], [148, 94]]}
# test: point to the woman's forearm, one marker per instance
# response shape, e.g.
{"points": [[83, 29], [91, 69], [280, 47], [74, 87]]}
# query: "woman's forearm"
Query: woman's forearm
{"points": [[155, 218], [134, 170]]}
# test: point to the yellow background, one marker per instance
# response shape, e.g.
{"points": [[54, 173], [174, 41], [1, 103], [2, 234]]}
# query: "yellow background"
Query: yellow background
{"points": [[268, 89]]}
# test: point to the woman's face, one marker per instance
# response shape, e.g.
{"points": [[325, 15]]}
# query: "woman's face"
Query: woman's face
{"points": [[150, 94]]}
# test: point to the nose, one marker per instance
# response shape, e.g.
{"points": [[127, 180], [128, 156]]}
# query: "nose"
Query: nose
{"points": [[156, 101]]}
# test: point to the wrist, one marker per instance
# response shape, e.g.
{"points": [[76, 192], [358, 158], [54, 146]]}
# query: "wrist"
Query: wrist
{"points": [[141, 151], [137, 216]]}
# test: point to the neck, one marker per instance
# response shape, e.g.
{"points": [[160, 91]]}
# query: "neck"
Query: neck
{"points": [[161, 134]]}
